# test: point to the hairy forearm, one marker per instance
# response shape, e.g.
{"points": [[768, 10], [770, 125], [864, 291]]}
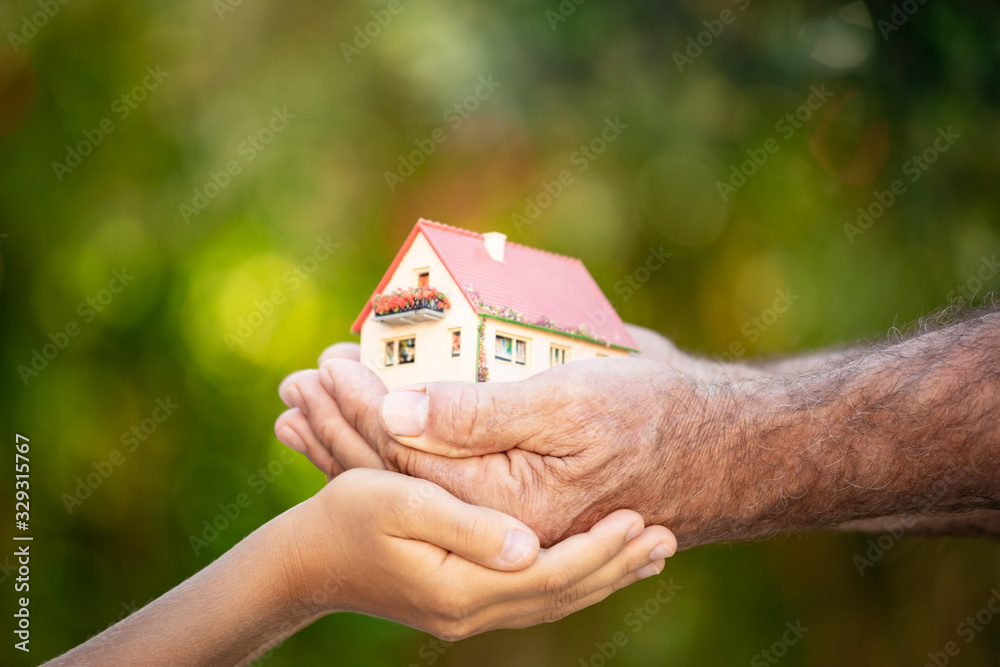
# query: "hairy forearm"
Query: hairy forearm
{"points": [[807, 362], [232, 610], [905, 429], [658, 348]]}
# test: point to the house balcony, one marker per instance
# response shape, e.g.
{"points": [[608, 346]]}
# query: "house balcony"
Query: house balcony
{"points": [[410, 306], [412, 315]]}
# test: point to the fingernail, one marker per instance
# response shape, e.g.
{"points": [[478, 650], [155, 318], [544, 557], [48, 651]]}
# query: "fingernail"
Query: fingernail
{"points": [[650, 570], [516, 547], [633, 532], [661, 551], [405, 412]]}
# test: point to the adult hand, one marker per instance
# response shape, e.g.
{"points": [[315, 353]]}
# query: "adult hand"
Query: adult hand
{"points": [[294, 427], [401, 548], [816, 442], [558, 450], [312, 434]]}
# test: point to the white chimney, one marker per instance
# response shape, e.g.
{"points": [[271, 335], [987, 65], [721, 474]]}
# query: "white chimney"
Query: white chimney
{"points": [[494, 242]]}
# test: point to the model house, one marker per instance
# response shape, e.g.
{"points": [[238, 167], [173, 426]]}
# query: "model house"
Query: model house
{"points": [[457, 305]]}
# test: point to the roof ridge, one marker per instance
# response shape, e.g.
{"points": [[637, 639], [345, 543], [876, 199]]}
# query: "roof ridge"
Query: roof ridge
{"points": [[468, 232], [546, 252], [459, 230]]}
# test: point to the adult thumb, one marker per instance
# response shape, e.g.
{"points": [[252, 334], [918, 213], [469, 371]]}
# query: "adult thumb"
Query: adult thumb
{"points": [[460, 419]]}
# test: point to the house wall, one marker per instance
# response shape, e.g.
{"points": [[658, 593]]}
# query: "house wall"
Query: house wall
{"points": [[433, 360], [539, 342]]}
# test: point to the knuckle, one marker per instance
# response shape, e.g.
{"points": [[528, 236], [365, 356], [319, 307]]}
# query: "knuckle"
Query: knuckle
{"points": [[453, 608], [471, 531], [624, 569], [403, 460], [563, 600], [326, 431], [412, 507], [466, 414], [453, 631], [556, 582]]}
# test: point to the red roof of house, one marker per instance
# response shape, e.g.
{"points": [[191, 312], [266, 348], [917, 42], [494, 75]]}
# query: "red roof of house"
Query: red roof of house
{"points": [[535, 283]]}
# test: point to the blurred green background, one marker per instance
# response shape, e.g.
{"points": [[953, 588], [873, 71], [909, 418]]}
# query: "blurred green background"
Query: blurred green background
{"points": [[184, 328]]}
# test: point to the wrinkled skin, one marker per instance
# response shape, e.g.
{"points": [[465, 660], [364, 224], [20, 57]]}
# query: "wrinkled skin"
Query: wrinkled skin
{"points": [[559, 450]]}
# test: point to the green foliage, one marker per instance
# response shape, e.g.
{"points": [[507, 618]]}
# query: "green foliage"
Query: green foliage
{"points": [[233, 158]]}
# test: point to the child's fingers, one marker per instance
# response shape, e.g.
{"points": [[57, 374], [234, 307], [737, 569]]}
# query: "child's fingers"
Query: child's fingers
{"points": [[650, 547], [639, 557], [552, 615], [430, 514], [589, 600], [571, 561]]}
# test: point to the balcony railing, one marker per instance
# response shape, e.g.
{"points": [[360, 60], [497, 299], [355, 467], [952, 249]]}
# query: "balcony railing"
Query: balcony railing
{"points": [[419, 304]]}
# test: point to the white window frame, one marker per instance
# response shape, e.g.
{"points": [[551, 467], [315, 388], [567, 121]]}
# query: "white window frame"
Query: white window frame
{"points": [[513, 350], [451, 348], [397, 361], [418, 272], [565, 354]]}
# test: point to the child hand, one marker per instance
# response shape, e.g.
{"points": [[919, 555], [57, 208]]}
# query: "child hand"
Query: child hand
{"points": [[396, 547]]}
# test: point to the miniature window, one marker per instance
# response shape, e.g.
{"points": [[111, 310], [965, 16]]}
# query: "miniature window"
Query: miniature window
{"points": [[512, 350], [402, 351], [407, 350], [557, 355], [456, 342], [423, 277]]}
